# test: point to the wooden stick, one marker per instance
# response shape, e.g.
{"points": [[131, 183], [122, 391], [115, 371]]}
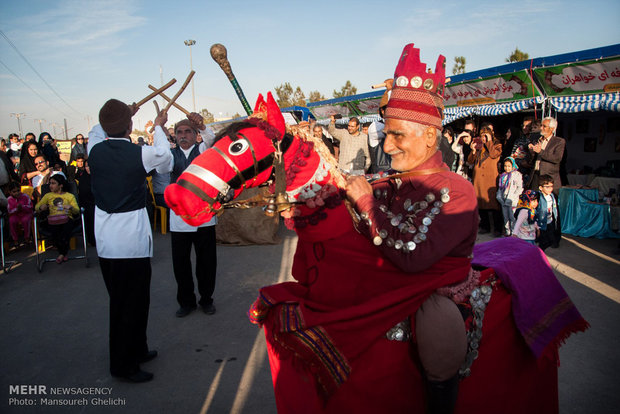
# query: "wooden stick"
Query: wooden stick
{"points": [[157, 112], [176, 105], [174, 98], [220, 55], [163, 88], [379, 85]]}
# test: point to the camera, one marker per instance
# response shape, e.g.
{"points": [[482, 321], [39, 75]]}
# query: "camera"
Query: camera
{"points": [[477, 143]]}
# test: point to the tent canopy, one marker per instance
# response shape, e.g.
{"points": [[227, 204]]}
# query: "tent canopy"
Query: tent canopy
{"points": [[587, 80]]}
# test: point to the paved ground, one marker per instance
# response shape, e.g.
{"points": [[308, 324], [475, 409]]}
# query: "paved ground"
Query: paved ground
{"points": [[54, 334]]}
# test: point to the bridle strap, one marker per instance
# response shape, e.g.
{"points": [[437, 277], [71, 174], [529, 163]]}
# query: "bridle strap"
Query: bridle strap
{"points": [[252, 172], [253, 154], [230, 164], [208, 177], [196, 190]]}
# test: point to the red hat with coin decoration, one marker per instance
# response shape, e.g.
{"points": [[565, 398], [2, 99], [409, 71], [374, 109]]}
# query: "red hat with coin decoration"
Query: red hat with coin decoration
{"points": [[417, 95]]}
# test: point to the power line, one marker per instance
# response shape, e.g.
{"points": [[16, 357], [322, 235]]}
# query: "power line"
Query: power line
{"points": [[38, 74], [35, 92]]}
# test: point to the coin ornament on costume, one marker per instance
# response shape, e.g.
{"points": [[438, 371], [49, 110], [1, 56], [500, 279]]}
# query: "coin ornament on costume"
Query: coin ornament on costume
{"points": [[428, 84], [402, 81], [406, 229], [478, 299], [416, 82]]}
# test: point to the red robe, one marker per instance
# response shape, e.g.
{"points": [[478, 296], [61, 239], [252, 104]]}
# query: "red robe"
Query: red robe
{"points": [[326, 332]]}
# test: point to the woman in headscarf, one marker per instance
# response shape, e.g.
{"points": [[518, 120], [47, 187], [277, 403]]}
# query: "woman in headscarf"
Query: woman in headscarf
{"points": [[27, 167], [48, 148], [485, 152], [79, 148]]}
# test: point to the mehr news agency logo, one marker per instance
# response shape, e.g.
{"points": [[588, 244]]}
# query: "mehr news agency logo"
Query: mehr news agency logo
{"points": [[24, 395]]}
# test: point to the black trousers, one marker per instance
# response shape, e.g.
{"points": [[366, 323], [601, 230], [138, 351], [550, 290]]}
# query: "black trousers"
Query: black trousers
{"points": [[89, 217], [204, 244], [128, 282], [498, 220], [533, 184], [551, 236], [61, 234]]}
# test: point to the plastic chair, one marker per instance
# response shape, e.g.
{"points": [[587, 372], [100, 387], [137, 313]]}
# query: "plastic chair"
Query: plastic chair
{"points": [[6, 264], [27, 189], [161, 210], [40, 236]]}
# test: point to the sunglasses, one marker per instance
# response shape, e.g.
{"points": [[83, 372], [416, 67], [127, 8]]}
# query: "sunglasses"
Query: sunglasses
{"points": [[40, 162]]}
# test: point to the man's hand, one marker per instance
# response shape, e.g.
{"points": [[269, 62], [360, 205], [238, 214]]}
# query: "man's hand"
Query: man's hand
{"points": [[463, 135], [197, 120], [357, 186], [161, 119]]}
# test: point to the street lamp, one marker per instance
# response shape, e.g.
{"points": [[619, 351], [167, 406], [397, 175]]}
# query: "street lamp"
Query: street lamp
{"points": [[40, 121], [191, 43], [19, 117]]}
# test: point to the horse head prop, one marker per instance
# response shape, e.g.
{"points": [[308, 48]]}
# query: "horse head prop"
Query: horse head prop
{"points": [[255, 151]]}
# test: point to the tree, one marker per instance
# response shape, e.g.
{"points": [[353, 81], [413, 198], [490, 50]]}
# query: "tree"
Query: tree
{"points": [[299, 98], [347, 90], [284, 93], [236, 115], [315, 96], [287, 96], [207, 116], [459, 65], [517, 56]]}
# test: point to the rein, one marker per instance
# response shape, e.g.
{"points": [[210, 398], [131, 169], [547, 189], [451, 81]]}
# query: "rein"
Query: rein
{"points": [[427, 171]]}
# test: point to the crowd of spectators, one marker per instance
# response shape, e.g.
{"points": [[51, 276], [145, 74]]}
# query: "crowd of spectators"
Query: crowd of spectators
{"points": [[503, 166], [499, 165], [32, 168]]}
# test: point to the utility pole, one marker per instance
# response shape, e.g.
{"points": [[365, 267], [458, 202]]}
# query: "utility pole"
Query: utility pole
{"points": [[191, 43], [66, 131], [161, 80], [19, 117], [40, 121], [88, 120]]}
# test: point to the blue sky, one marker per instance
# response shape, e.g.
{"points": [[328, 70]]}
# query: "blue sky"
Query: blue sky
{"points": [[90, 51]]}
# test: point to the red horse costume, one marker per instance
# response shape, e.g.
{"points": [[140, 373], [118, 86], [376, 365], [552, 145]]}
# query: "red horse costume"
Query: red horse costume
{"points": [[338, 337]]}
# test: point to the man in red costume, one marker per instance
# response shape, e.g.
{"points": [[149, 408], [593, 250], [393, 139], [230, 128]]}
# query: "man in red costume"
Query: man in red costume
{"points": [[372, 324], [421, 215]]}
